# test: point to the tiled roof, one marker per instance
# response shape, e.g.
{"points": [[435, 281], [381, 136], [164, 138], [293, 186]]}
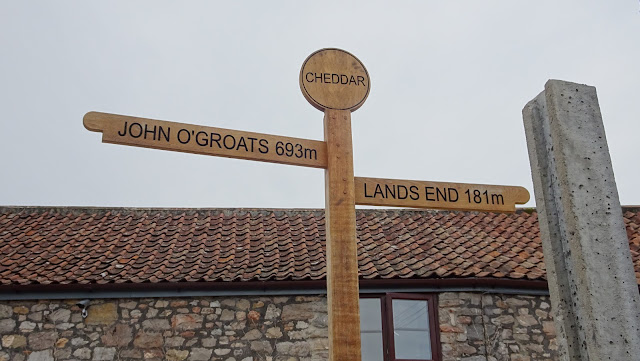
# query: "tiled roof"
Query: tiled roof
{"points": [[43, 246]]}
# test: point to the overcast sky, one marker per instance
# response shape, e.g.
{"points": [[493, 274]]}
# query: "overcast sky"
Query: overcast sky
{"points": [[448, 83]]}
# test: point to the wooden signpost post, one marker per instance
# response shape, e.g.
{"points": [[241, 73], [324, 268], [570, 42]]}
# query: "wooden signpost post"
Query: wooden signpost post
{"points": [[337, 83]]}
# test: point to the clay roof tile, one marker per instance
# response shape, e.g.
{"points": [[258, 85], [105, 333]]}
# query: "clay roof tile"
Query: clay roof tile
{"points": [[44, 245]]}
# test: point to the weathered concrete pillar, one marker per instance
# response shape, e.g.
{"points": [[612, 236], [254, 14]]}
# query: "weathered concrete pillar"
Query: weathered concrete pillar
{"points": [[593, 288]]}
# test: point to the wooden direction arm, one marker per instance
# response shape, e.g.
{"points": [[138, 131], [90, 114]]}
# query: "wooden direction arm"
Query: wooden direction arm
{"points": [[180, 137], [439, 195]]}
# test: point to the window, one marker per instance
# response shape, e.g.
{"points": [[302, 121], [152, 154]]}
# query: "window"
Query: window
{"points": [[399, 327]]}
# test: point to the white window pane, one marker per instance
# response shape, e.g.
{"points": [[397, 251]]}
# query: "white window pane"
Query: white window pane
{"points": [[411, 329], [371, 346], [371, 329], [413, 345], [370, 314]]}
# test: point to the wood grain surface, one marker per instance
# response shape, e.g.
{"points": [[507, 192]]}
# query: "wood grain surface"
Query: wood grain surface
{"points": [[439, 195], [340, 220], [334, 79], [180, 137]]}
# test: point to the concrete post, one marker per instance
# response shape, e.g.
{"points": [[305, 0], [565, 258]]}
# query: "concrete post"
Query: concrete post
{"points": [[594, 292]]}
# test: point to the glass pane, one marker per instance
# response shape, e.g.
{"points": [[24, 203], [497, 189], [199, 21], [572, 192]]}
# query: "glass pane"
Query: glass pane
{"points": [[411, 329], [371, 329]]}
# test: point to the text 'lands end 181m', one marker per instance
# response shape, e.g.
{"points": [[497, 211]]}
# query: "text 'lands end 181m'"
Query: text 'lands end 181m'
{"points": [[438, 195], [334, 79]]}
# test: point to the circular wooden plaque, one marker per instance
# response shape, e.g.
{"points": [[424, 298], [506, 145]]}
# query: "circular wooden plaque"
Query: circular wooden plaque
{"points": [[334, 79]]}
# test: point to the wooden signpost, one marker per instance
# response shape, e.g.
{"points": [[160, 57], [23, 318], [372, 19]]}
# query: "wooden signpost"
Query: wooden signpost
{"points": [[337, 83], [439, 195], [179, 137]]}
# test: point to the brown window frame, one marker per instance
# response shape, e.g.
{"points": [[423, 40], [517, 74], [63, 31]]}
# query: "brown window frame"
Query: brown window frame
{"points": [[386, 307]]}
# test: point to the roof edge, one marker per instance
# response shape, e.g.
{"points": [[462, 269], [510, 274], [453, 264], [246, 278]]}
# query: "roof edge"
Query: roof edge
{"points": [[139, 210], [284, 285], [100, 209]]}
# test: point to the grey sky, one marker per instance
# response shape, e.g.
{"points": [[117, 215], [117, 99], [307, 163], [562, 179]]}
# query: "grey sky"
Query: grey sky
{"points": [[449, 80]]}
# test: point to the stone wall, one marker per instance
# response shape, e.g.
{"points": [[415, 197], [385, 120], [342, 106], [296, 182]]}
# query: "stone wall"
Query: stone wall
{"points": [[490, 327], [473, 327]]}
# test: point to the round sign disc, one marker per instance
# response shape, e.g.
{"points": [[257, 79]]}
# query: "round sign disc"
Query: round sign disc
{"points": [[334, 79]]}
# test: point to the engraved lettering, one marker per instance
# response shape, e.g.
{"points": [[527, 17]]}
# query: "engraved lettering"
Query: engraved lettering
{"points": [[453, 192], [429, 192], [378, 190], [414, 193], [161, 133], [215, 137], [242, 143], [334, 78], [252, 140], [402, 189], [233, 141], [188, 135], [365, 191], [264, 146], [124, 131], [201, 139], [139, 130], [391, 190], [146, 131]]}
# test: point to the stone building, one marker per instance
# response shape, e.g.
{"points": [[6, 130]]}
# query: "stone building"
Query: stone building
{"points": [[244, 285]]}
